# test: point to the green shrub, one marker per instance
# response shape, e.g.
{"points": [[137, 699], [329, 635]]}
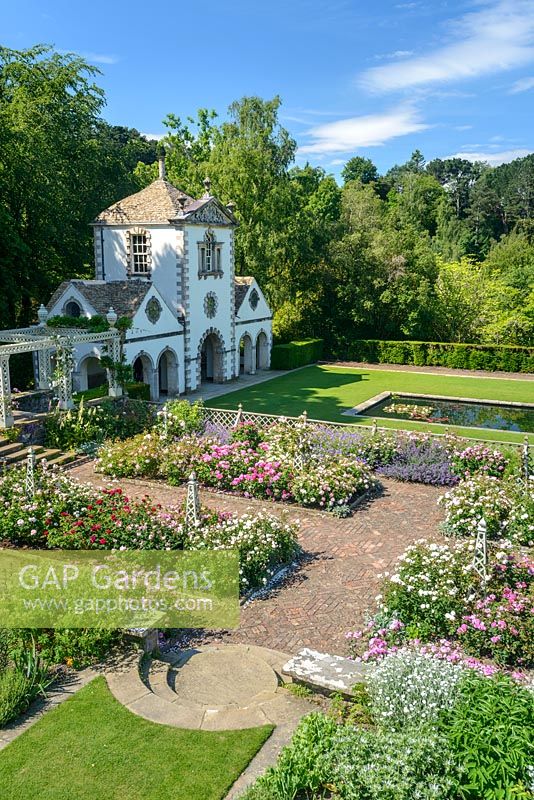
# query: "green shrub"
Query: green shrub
{"points": [[14, 699], [113, 418], [325, 759], [182, 418], [490, 730], [77, 647], [23, 674], [137, 391], [296, 354], [489, 357]]}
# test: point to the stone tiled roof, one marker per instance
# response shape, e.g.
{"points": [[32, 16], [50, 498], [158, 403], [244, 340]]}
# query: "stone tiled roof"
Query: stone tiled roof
{"points": [[124, 296], [158, 202], [241, 287]]}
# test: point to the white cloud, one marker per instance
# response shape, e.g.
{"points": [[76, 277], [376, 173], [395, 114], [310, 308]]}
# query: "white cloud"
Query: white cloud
{"points": [[395, 54], [93, 58], [504, 157], [100, 58], [522, 85], [153, 136], [495, 38], [462, 127], [372, 130]]}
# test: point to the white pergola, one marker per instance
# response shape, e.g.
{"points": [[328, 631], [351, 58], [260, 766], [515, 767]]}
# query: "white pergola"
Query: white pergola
{"points": [[46, 342]]}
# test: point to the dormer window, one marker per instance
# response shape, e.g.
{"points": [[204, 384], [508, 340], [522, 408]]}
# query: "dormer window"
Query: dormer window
{"points": [[209, 255], [73, 309], [139, 256]]}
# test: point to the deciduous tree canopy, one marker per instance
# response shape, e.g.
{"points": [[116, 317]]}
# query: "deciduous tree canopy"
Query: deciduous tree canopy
{"points": [[438, 250]]}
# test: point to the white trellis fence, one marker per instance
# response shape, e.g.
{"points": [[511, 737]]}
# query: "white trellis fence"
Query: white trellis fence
{"points": [[230, 418]]}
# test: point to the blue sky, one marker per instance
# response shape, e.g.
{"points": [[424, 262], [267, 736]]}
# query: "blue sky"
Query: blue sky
{"points": [[356, 78]]}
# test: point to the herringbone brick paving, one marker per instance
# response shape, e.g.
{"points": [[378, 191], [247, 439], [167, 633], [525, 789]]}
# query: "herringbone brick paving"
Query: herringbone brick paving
{"points": [[334, 588]]}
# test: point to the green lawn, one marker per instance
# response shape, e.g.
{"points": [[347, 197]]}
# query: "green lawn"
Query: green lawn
{"points": [[92, 748], [325, 392]]}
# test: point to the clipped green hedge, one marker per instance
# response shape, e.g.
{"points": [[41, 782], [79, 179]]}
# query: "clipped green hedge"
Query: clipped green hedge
{"points": [[137, 391], [296, 354], [490, 357]]}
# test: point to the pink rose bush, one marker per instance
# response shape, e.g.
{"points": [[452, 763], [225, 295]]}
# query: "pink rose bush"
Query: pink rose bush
{"points": [[479, 459], [278, 463], [434, 602]]}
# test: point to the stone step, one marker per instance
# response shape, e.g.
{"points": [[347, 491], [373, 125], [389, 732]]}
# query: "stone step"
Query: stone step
{"points": [[7, 447], [325, 673], [59, 458], [221, 688], [22, 453]]}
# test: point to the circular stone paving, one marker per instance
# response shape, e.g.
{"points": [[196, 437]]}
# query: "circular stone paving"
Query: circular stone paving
{"points": [[223, 678]]}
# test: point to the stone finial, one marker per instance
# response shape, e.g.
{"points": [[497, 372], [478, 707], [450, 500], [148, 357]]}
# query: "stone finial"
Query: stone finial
{"points": [[231, 206], [161, 167], [111, 317], [207, 187], [42, 314]]}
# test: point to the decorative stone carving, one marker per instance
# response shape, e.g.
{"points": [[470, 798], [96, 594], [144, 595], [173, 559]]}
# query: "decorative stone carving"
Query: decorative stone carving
{"points": [[153, 310], [210, 305], [210, 214], [254, 299]]}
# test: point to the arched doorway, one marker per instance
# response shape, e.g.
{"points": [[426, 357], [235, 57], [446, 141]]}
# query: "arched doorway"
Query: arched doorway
{"points": [[168, 373], [211, 358], [246, 361], [262, 351], [93, 373], [143, 372]]}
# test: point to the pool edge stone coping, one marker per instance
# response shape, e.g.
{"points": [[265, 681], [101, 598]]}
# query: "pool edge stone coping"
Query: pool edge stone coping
{"points": [[378, 398]]}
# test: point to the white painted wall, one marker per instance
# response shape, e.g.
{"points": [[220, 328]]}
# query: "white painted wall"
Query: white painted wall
{"points": [[252, 322], [166, 244], [199, 287]]}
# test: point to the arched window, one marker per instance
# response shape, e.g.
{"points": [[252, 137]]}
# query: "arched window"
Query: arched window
{"points": [[209, 254], [72, 309]]}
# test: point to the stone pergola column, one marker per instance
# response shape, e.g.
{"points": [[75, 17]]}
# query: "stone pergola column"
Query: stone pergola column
{"points": [[64, 360], [115, 353], [6, 409], [45, 369]]}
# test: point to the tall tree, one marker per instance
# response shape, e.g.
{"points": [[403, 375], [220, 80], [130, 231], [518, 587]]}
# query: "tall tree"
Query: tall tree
{"points": [[59, 165], [359, 169]]}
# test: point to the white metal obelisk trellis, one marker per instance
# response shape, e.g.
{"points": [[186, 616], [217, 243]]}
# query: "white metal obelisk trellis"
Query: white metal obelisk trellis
{"points": [[480, 556], [165, 418], [192, 503], [30, 473], [525, 459], [238, 416]]}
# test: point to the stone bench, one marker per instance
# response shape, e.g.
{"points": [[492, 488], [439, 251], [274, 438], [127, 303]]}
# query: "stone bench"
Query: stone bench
{"points": [[325, 673], [147, 638]]}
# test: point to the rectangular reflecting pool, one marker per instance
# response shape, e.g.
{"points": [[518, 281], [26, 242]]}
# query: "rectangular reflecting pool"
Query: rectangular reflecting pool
{"points": [[448, 411]]}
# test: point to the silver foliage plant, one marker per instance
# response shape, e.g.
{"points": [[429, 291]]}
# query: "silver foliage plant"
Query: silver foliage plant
{"points": [[409, 688]]}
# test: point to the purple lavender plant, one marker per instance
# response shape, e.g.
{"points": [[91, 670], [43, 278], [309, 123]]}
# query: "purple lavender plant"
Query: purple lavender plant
{"points": [[421, 461]]}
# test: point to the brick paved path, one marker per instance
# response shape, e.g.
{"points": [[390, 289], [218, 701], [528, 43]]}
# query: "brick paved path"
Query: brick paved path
{"points": [[335, 587]]}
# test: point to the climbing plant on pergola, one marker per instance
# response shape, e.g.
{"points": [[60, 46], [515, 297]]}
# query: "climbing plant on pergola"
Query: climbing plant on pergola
{"points": [[46, 342]]}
